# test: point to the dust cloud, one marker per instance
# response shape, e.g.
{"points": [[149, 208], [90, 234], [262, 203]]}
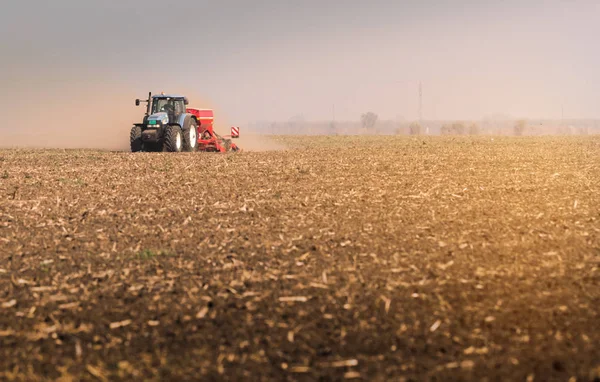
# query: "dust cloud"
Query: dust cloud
{"points": [[254, 142], [97, 116], [92, 116]]}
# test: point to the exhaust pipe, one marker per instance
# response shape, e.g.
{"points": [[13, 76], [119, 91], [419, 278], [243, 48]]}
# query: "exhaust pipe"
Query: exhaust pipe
{"points": [[149, 103]]}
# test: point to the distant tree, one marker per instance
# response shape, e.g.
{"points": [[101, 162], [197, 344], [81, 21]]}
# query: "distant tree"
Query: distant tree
{"points": [[474, 129], [458, 128], [446, 130], [368, 120], [399, 128], [297, 122], [583, 130], [415, 128], [520, 127]]}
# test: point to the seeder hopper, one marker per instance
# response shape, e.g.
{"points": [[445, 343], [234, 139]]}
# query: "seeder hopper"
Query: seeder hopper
{"points": [[208, 139]]}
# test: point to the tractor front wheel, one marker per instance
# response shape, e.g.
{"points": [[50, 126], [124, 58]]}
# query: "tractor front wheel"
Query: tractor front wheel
{"points": [[135, 139], [173, 139]]}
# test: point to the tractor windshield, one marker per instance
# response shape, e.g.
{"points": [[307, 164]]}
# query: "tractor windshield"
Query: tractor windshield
{"points": [[165, 105], [168, 105]]}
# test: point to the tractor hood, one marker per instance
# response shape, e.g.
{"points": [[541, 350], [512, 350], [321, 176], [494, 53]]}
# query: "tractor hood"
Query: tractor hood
{"points": [[159, 118]]}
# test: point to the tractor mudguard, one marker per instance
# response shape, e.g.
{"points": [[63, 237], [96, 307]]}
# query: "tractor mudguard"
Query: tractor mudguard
{"points": [[181, 119]]}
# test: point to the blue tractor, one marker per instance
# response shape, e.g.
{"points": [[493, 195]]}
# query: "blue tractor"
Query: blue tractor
{"points": [[166, 125]]}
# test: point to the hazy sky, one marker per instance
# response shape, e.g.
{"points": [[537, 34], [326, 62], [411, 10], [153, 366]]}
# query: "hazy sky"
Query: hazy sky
{"points": [[265, 60]]}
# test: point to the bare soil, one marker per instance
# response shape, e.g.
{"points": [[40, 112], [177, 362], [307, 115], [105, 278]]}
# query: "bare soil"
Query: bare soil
{"points": [[385, 258]]}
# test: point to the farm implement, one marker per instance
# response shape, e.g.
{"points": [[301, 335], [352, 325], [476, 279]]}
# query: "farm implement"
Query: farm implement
{"points": [[208, 139], [169, 125]]}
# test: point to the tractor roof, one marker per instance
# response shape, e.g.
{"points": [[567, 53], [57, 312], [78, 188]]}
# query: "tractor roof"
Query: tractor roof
{"points": [[168, 96]]}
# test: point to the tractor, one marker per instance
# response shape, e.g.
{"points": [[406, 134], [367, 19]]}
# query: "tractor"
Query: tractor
{"points": [[166, 126], [169, 126]]}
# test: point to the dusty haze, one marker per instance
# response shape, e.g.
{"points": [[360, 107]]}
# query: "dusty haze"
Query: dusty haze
{"points": [[71, 69]]}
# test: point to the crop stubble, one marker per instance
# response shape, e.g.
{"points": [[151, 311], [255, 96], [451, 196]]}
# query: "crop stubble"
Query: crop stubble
{"points": [[341, 258]]}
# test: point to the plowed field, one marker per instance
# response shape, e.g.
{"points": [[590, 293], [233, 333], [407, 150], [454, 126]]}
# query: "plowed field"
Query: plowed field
{"points": [[341, 258]]}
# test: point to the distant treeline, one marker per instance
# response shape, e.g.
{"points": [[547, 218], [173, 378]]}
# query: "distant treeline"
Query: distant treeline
{"points": [[383, 127]]}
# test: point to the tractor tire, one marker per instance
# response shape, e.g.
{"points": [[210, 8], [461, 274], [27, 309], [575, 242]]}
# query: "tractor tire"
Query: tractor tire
{"points": [[135, 139], [190, 135], [173, 139]]}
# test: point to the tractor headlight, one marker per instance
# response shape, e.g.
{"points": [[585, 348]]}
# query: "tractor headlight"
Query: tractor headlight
{"points": [[165, 120]]}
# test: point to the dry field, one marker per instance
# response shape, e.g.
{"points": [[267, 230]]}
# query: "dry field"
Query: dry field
{"points": [[342, 258]]}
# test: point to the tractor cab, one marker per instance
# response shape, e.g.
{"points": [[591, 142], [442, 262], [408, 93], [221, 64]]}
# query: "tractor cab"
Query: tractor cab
{"points": [[171, 105]]}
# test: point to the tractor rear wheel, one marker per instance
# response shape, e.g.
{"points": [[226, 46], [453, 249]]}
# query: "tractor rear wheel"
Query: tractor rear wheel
{"points": [[190, 135], [173, 139], [135, 139]]}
